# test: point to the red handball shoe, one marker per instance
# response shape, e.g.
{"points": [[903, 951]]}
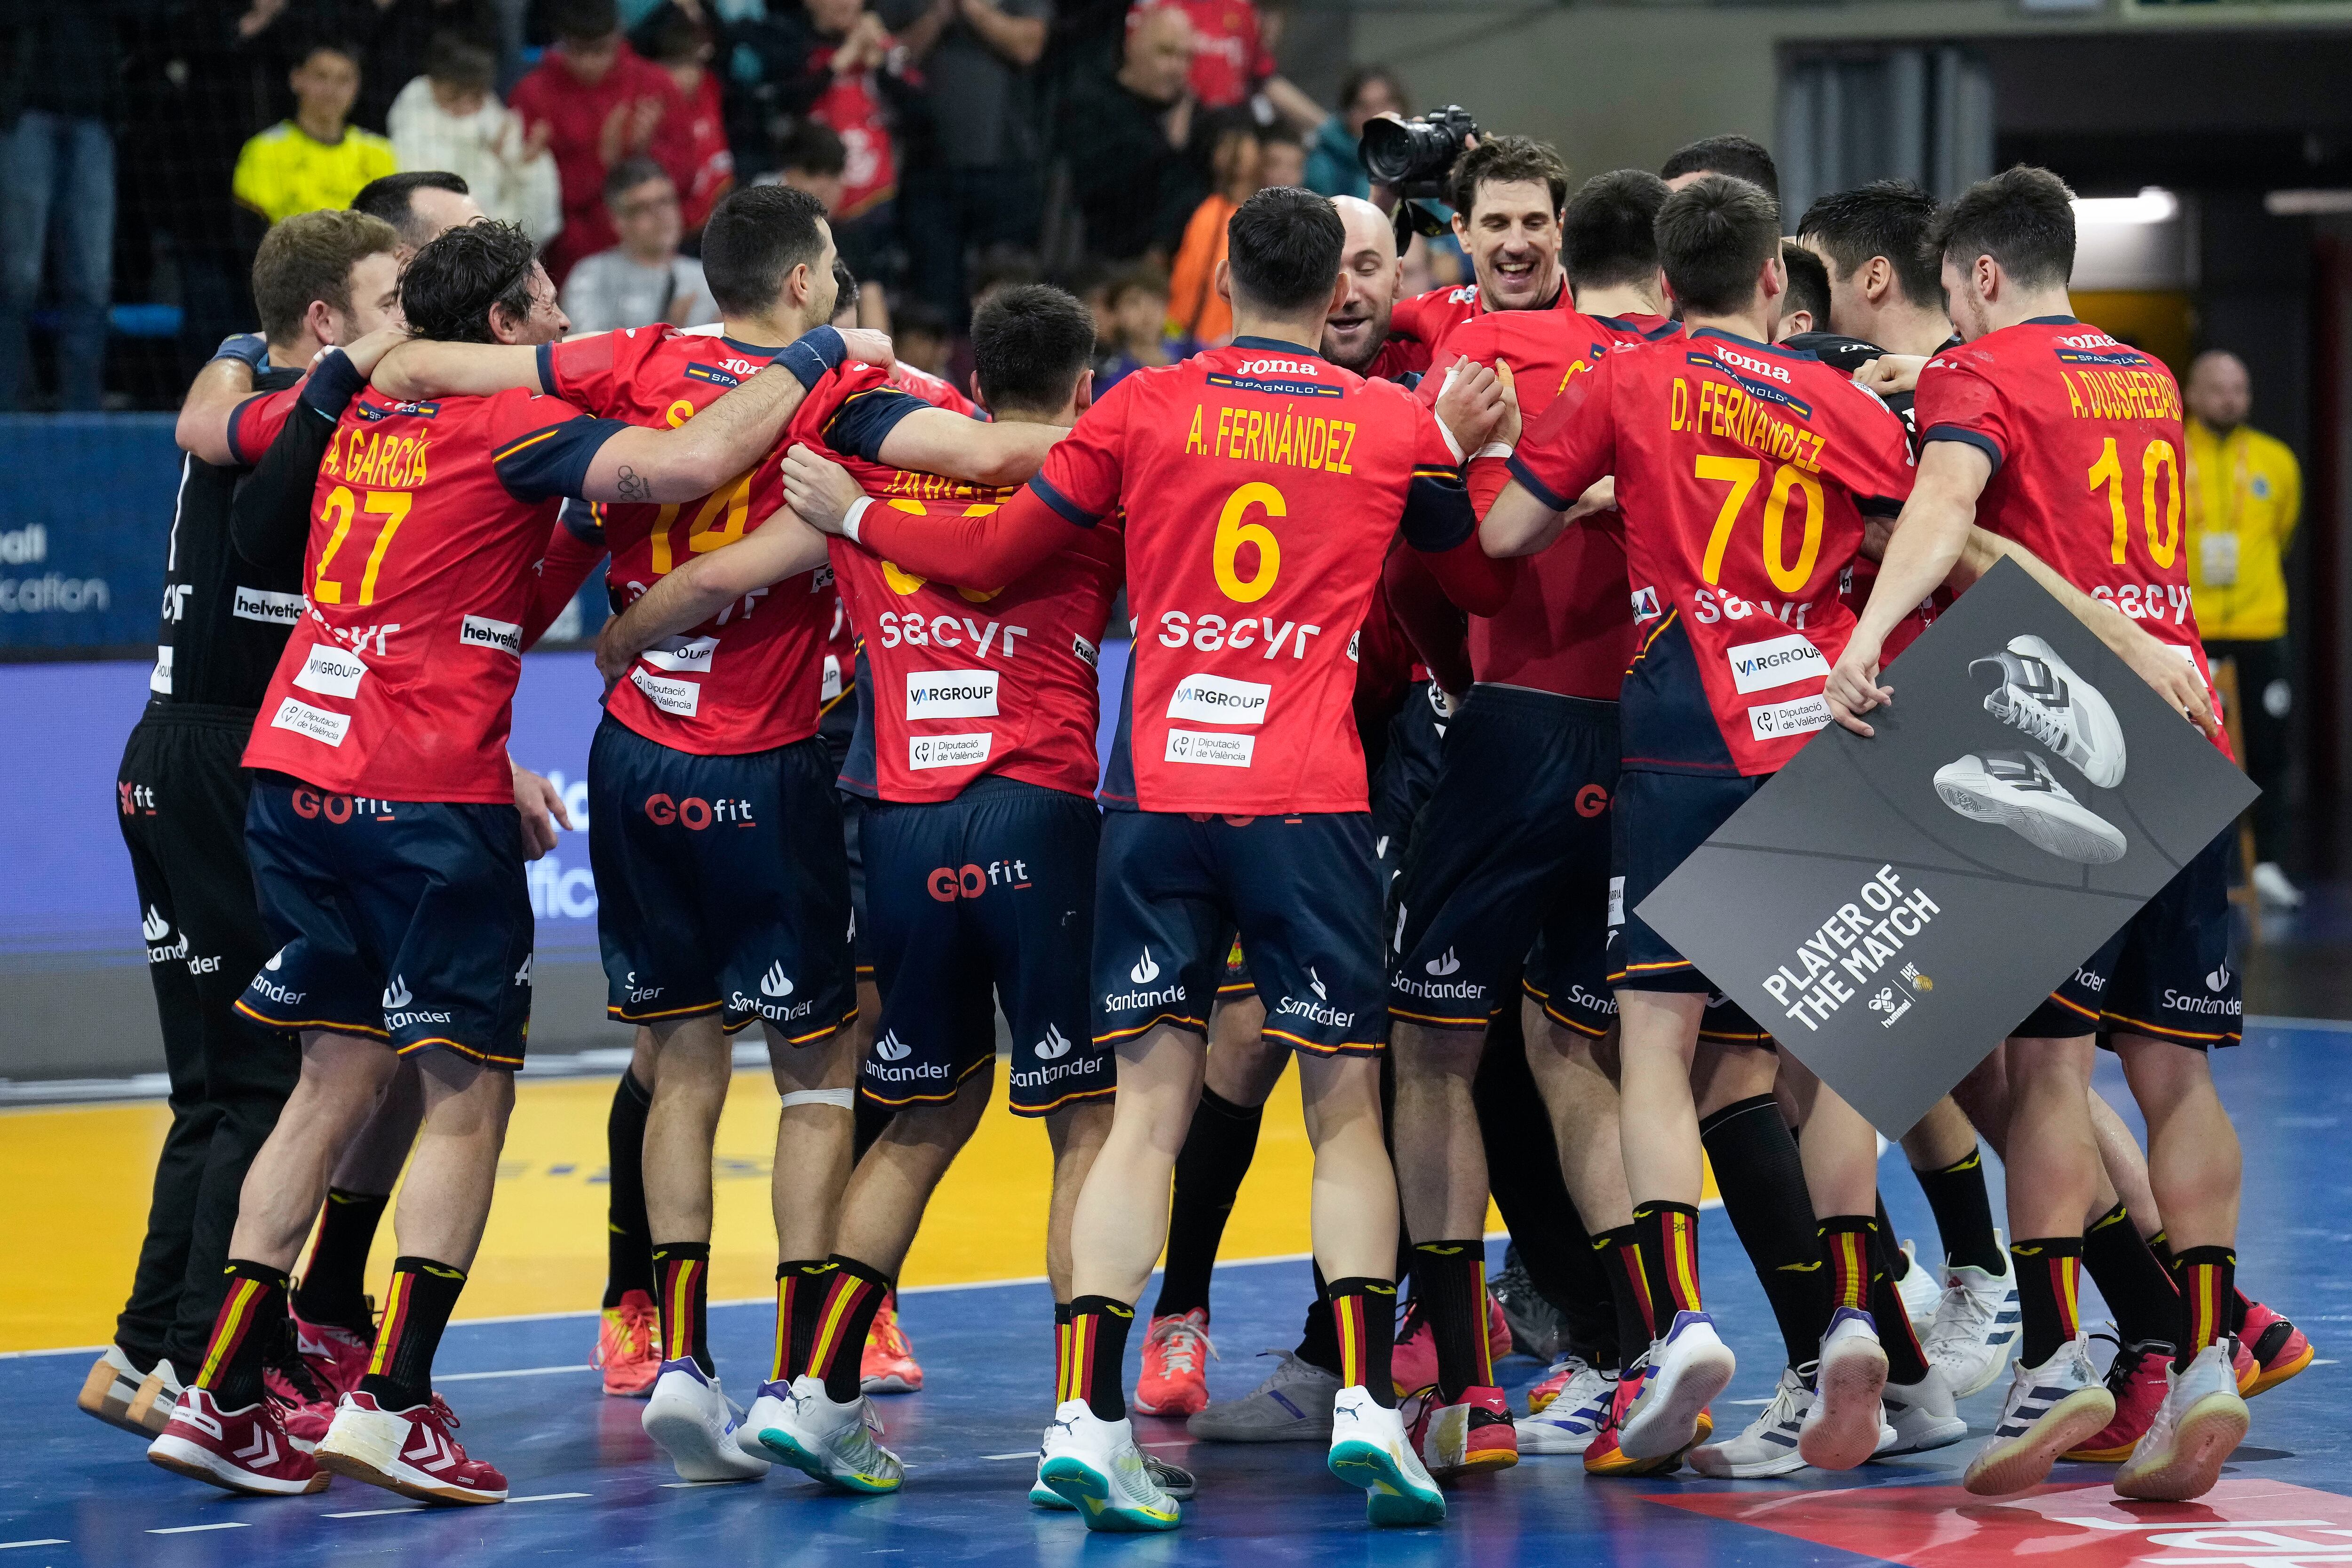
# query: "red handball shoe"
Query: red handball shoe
{"points": [[408, 1451], [1412, 1365], [2277, 1346], [628, 1347], [887, 1364], [1459, 1439], [337, 1357], [1175, 1380], [2138, 1380], [243, 1450]]}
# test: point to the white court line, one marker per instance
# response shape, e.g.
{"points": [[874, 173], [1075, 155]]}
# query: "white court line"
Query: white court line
{"points": [[544, 1497], [513, 1372], [193, 1529], [378, 1512], [49, 1541], [1024, 1454]]}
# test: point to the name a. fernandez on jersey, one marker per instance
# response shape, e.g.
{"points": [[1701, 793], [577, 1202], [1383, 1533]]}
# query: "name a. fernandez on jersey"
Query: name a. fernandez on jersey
{"points": [[1265, 436]]}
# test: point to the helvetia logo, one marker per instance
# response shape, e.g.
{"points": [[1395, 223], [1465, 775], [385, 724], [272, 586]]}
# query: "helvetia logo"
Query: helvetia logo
{"points": [[776, 983], [1444, 963], [891, 1048], [396, 994], [1055, 1045], [1315, 982], [155, 927], [2217, 979], [1144, 972]]}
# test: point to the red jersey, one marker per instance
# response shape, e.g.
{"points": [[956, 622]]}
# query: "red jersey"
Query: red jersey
{"points": [[1229, 53], [1742, 474], [746, 679], [695, 126], [398, 683], [2085, 436], [1261, 486], [1567, 627], [1419, 329], [852, 105], [575, 113]]}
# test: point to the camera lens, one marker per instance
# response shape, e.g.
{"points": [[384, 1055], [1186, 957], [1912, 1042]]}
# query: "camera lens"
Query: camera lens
{"points": [[1390, 150]]}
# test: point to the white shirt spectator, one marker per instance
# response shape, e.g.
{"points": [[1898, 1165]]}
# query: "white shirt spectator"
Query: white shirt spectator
{"points": [[612, 289], [511, 179]]}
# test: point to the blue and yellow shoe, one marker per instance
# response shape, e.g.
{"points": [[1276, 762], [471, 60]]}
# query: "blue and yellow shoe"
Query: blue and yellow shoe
{"points": [[1094, 1466], [1370, 1449], [833, 1443]]}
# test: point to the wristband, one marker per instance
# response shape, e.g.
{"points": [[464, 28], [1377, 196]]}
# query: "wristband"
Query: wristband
{"points": [[850, 518], [1502, 449], [812, 355], [251, 348], [334, 381]]}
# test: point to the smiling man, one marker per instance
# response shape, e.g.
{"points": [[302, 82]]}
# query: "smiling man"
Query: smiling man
{"points": [[1508, 194]]}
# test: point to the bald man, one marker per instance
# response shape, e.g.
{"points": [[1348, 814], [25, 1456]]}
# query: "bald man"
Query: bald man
{"points": [[2245, 496], [1129, 173]]}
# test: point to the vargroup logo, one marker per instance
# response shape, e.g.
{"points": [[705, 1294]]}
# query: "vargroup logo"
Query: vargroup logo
{"points": [[951, 694], [1218, 701], [682, 654], [1055, 1045], [891, 1048], [1444, 963], [776, 983], [1144, 971], [1776, 661]]}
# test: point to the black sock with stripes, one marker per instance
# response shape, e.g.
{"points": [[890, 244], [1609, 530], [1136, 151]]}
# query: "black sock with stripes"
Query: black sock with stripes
{"points": [[628, 1235], [1898, 1261], [1619, 1251], [1907, 1361], [682, 1271], [1094, 1356], [1764, 1197], [1963, 1210], [853, 1294], [800, 1291], [1363, 1317], [1449, 1281], [415, 1312], [2209, 1290], [334, 1282], [252, 1314], [2048, 1273], [2138, 1289]]}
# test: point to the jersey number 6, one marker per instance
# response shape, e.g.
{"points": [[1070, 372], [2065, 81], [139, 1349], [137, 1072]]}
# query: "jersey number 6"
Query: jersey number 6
{"points": [[1224, 555]]}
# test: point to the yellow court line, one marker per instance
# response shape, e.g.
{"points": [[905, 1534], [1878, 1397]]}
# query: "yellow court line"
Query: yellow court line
{"points": [[83, 1174]]}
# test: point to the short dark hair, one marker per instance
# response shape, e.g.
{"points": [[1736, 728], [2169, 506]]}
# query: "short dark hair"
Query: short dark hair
{"points": [[756, 236], [812, 146], [1738, 156], [584, 21], [1358, 78], [389, 198], [1808, 284], [459, 61], [913, 318], [1608, 237], [1714, 237], [1283, 247], [1884, 217], [1503, 161], [310, 257], [629, 173], [326, 43], [1028, 345], [2022, 217], [451, 285], [1143, 276], [1280, 135]]}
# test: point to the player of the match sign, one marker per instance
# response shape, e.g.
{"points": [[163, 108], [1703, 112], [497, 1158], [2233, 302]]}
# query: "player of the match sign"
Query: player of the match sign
{"points": [[1891, 908]]}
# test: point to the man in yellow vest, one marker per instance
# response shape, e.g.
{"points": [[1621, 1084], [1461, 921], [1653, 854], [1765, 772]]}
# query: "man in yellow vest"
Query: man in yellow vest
{"points": [[2245, 496]]}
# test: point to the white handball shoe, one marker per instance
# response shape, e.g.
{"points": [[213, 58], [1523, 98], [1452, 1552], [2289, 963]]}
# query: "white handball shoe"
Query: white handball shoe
{"points": [[2034, 690], [2016, 790], [2202, 1418], [1919, 1415], [834, 1443], [690, 1416], [1097, 1468], [2049, 1409], [1842, 1428], [1768, 1446], [1369, 1449], [1976, 1328]]}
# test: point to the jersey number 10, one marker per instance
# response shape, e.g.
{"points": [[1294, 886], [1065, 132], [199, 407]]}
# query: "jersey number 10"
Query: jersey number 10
{"points": [[2157, 456]]}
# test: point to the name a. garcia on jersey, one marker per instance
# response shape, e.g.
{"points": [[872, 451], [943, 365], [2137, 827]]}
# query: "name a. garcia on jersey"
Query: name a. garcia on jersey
{"points": [[377, 457], [1274, 436]]}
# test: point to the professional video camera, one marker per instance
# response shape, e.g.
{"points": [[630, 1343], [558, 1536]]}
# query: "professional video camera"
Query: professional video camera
{"points": [[1413, 157]]}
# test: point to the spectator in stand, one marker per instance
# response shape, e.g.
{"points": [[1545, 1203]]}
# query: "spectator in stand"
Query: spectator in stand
{"points": [[919, 337], [695, 122], [854, 80], [1196, 310], [449, 119], [812, 157], [61, 99], [643, 279], [602, 102], [1233, 61], [421, 205], [1281, 157], [974, 162], [1333, 167], [1138, 339], [318, 159], [1127, 135], [397, 40]]}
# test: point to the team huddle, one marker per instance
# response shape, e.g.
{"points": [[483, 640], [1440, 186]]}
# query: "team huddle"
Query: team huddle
{"points": [[1458, 623]]}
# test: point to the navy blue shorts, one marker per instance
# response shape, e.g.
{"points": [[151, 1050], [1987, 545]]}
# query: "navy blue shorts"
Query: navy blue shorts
{"points": [[1407, 775], [1513, 845], [1659, 820], [2165, 974], [985, 899], [721, 884], [1301, 891], [402, 922], [853, 844]]}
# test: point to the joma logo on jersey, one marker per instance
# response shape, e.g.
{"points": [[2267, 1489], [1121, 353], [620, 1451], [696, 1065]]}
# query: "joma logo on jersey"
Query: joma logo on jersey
{"points": [[1753, 366], [1276, 367]]}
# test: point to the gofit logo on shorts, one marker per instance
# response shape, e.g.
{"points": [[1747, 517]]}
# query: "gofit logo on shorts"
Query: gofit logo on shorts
{"points": [[695, 814], [1217, 701], [949, 883], [339, 808], [951, 694], [1591, 800]]}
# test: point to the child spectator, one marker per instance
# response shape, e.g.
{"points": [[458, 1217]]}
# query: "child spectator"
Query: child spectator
{"points": [[643, 279], [812, 157], [601, 102], [1282, 157], [449, 119], [1138, 302], [920, 336], [318, 159], [694, 124], [1236, 157]]}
